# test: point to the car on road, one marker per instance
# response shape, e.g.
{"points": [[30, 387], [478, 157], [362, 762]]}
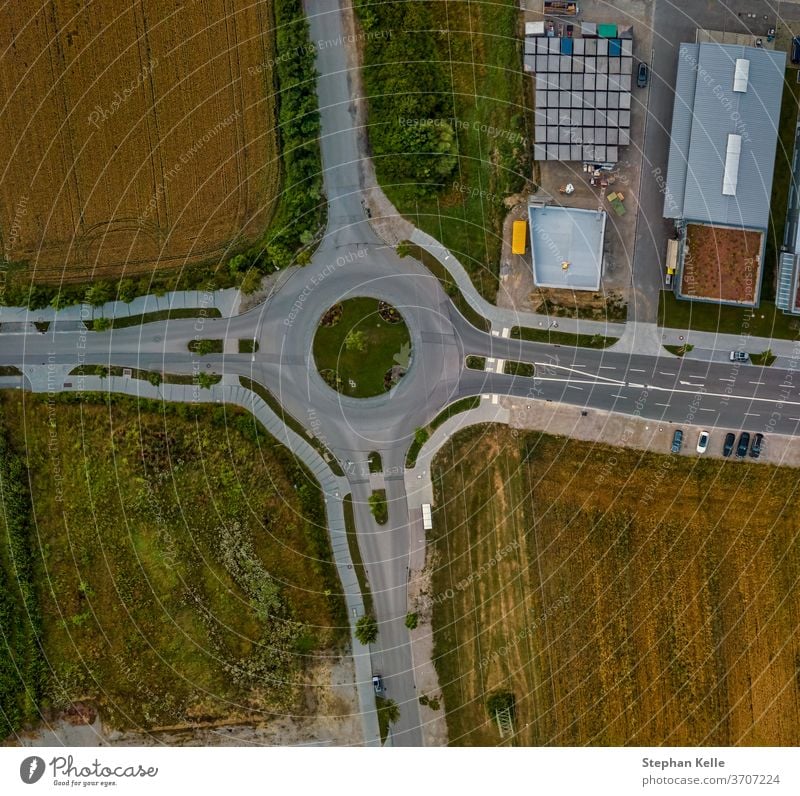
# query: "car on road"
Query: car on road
{"points": [[744, 444], [702, 442], [739, 356], [677, 441], [642, 75], [796, 50], [755, 448], [377, 683], [727, 448]]}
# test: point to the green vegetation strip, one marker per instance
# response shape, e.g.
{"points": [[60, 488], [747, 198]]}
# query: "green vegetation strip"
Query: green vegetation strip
{"points": [[355, 555], [206, 346], [102, 324], [765, 358], [679, 350], [562, 338], [450, 134], [447, 282], [512, 368], [379, 507], [766, 321], [422, 435], [182, 563], [204, 380], [275, 405]]}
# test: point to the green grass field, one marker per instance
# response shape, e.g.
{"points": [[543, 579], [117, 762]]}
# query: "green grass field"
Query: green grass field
{"points": [[383, 346], [478, 80], [622, 598], [180, 559]]}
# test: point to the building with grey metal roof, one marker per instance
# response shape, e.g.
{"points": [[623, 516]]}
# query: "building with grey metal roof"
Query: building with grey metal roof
{"points": [[566, 246], [710, 119], [722, 145]]}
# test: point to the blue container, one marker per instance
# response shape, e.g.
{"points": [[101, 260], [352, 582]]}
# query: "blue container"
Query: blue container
{"points": [[614, 48], [566, 46]]}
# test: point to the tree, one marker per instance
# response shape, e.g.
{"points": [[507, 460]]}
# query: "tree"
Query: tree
{"points": [[101, 324], [379, 507], [412, 620], [366, 629], [154, 378], [206, 380], [355, 340], [389, 709]]}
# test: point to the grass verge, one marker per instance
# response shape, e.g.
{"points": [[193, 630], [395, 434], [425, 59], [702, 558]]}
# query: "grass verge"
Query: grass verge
{"points": [[766, 321], [102, 324], [355, 555], [422, 434], [562, 338]]}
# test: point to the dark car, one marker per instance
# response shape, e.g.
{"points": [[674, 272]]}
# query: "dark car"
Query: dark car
{"points": [[755, 448], [796, 50], [744, 444], [642, 75], [677, 441], [727, 448]]}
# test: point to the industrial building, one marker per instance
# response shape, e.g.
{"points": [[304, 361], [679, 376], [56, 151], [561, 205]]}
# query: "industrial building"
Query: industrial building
{"points": [[721, 159], [582, 92], [566, 246]]}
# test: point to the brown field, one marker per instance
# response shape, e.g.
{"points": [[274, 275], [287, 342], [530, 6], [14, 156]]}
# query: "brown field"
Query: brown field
{"points": [[623, 597], [721, 263], [135, 135]]}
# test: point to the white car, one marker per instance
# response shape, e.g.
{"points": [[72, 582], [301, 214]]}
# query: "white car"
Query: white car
{"points": [[702, 442]]}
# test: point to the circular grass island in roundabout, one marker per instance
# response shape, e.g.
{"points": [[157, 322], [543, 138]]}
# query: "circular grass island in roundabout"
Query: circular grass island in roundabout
{"points": [[362, 347]]}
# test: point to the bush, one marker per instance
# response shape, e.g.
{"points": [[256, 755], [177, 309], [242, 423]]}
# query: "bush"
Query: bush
{"points": [[367, 629], [101, 324], [412, 620], [379, 507]]}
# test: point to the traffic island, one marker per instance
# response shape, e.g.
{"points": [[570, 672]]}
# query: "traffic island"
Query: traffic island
{"points": [[362, 347]]}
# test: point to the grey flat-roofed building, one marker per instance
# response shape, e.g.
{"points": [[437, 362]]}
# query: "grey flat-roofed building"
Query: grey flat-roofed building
{"points": [[708, 114], [566, 236], [578, 46], [625, 100], [602, 46], [539, 151]]}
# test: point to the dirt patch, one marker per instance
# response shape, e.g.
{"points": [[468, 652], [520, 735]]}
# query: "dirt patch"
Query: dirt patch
{"points": [[333, 720], [136, 134], [721, 263]]}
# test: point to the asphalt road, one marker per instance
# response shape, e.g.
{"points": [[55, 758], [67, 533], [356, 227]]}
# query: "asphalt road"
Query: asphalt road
{"points": [[352, 261]]}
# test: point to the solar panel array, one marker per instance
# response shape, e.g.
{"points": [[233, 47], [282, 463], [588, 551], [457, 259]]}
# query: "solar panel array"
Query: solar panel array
{"points": [[583, 97]]}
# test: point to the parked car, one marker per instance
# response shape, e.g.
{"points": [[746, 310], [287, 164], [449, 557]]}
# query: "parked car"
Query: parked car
{"points": [[739, 356], [642, 75], [727, 448], [744, 443], [377, 683], [677, 441], [755, 448], [702, 442], [796, 50]]}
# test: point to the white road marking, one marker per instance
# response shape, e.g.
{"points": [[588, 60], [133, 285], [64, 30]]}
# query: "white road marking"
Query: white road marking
{"points": [[721, 379], [690, 384], [704, 409], [752, 414], [664, 373], [608, 367], [662, 404], [638, 386], [755, 382], [617, 395], [636, 370], [575, 387]]}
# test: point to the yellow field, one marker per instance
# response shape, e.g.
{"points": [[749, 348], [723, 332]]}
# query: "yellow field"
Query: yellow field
{"points": [[135, 135], [622, 598]]}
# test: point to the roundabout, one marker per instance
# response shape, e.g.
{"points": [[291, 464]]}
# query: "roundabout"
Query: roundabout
{"points": [[362, 347]]}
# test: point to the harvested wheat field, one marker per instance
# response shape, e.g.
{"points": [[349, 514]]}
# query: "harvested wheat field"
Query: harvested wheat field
{"points": [[136, 134], [619, 597], [721, 263]]}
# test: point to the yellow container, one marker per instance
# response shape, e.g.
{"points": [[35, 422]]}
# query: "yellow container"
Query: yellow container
{"points": [[518, 235]]}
